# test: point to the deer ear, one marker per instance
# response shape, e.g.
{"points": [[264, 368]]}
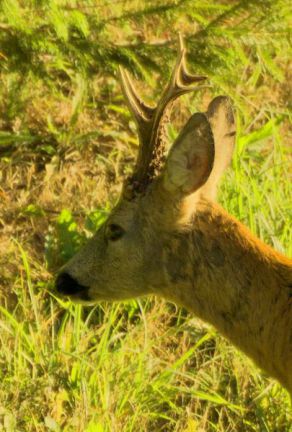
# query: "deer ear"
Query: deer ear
{"points": [[221, 119], [191, 157]]}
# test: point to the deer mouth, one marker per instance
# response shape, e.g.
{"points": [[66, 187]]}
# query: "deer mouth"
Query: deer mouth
{"points": [[67, 286]]}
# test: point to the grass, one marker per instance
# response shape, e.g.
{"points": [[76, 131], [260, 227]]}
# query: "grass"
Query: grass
{"points": [[66, 143]]}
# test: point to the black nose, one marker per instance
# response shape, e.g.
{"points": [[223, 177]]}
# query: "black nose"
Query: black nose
{"points": [[66, 285]]}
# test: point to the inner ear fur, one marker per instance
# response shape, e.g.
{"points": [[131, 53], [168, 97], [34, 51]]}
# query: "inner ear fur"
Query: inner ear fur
{"points": [[221, 118], [191, 157]]}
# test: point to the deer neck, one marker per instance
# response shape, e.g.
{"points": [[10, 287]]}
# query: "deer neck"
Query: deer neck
{"points": [[217, 269]]}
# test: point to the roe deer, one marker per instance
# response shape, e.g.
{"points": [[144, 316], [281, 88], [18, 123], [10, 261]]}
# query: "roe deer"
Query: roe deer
{"points": [[167, 236]]}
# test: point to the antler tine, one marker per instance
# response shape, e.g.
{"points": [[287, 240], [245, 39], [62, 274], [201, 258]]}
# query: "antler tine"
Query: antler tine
{"points": [[151, 121], [185, 78], [180, 81], [137, 106]]}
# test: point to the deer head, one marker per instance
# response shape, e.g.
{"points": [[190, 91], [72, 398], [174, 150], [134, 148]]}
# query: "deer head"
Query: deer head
{"points": [[124, 258]]}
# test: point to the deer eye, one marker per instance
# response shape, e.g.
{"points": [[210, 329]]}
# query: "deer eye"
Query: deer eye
{"points": [[114, 232]]}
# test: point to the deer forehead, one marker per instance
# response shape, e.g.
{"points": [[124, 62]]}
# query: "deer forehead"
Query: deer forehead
{"points": [[124, 213]]}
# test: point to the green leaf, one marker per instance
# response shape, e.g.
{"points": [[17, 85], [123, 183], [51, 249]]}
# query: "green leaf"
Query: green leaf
{"points": [[260, 134], [59, 22], [33, 210], [79, 21]]}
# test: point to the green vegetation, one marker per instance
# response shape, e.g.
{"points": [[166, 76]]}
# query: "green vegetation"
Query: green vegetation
{"points": [[66, 143]]}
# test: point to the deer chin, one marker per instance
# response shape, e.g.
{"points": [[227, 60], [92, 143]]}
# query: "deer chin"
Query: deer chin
{"points": [[91, 297], [82, 298]]}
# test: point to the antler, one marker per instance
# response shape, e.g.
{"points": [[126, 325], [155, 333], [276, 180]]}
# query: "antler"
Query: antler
{"points": [[151, 121]]}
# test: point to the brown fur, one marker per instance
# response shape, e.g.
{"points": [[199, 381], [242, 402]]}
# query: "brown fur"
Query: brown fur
{"points": [[179, 244], [239, 285]]}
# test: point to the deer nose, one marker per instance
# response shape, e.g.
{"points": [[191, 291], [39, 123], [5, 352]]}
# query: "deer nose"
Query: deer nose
{"points": [[67, 285]]}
